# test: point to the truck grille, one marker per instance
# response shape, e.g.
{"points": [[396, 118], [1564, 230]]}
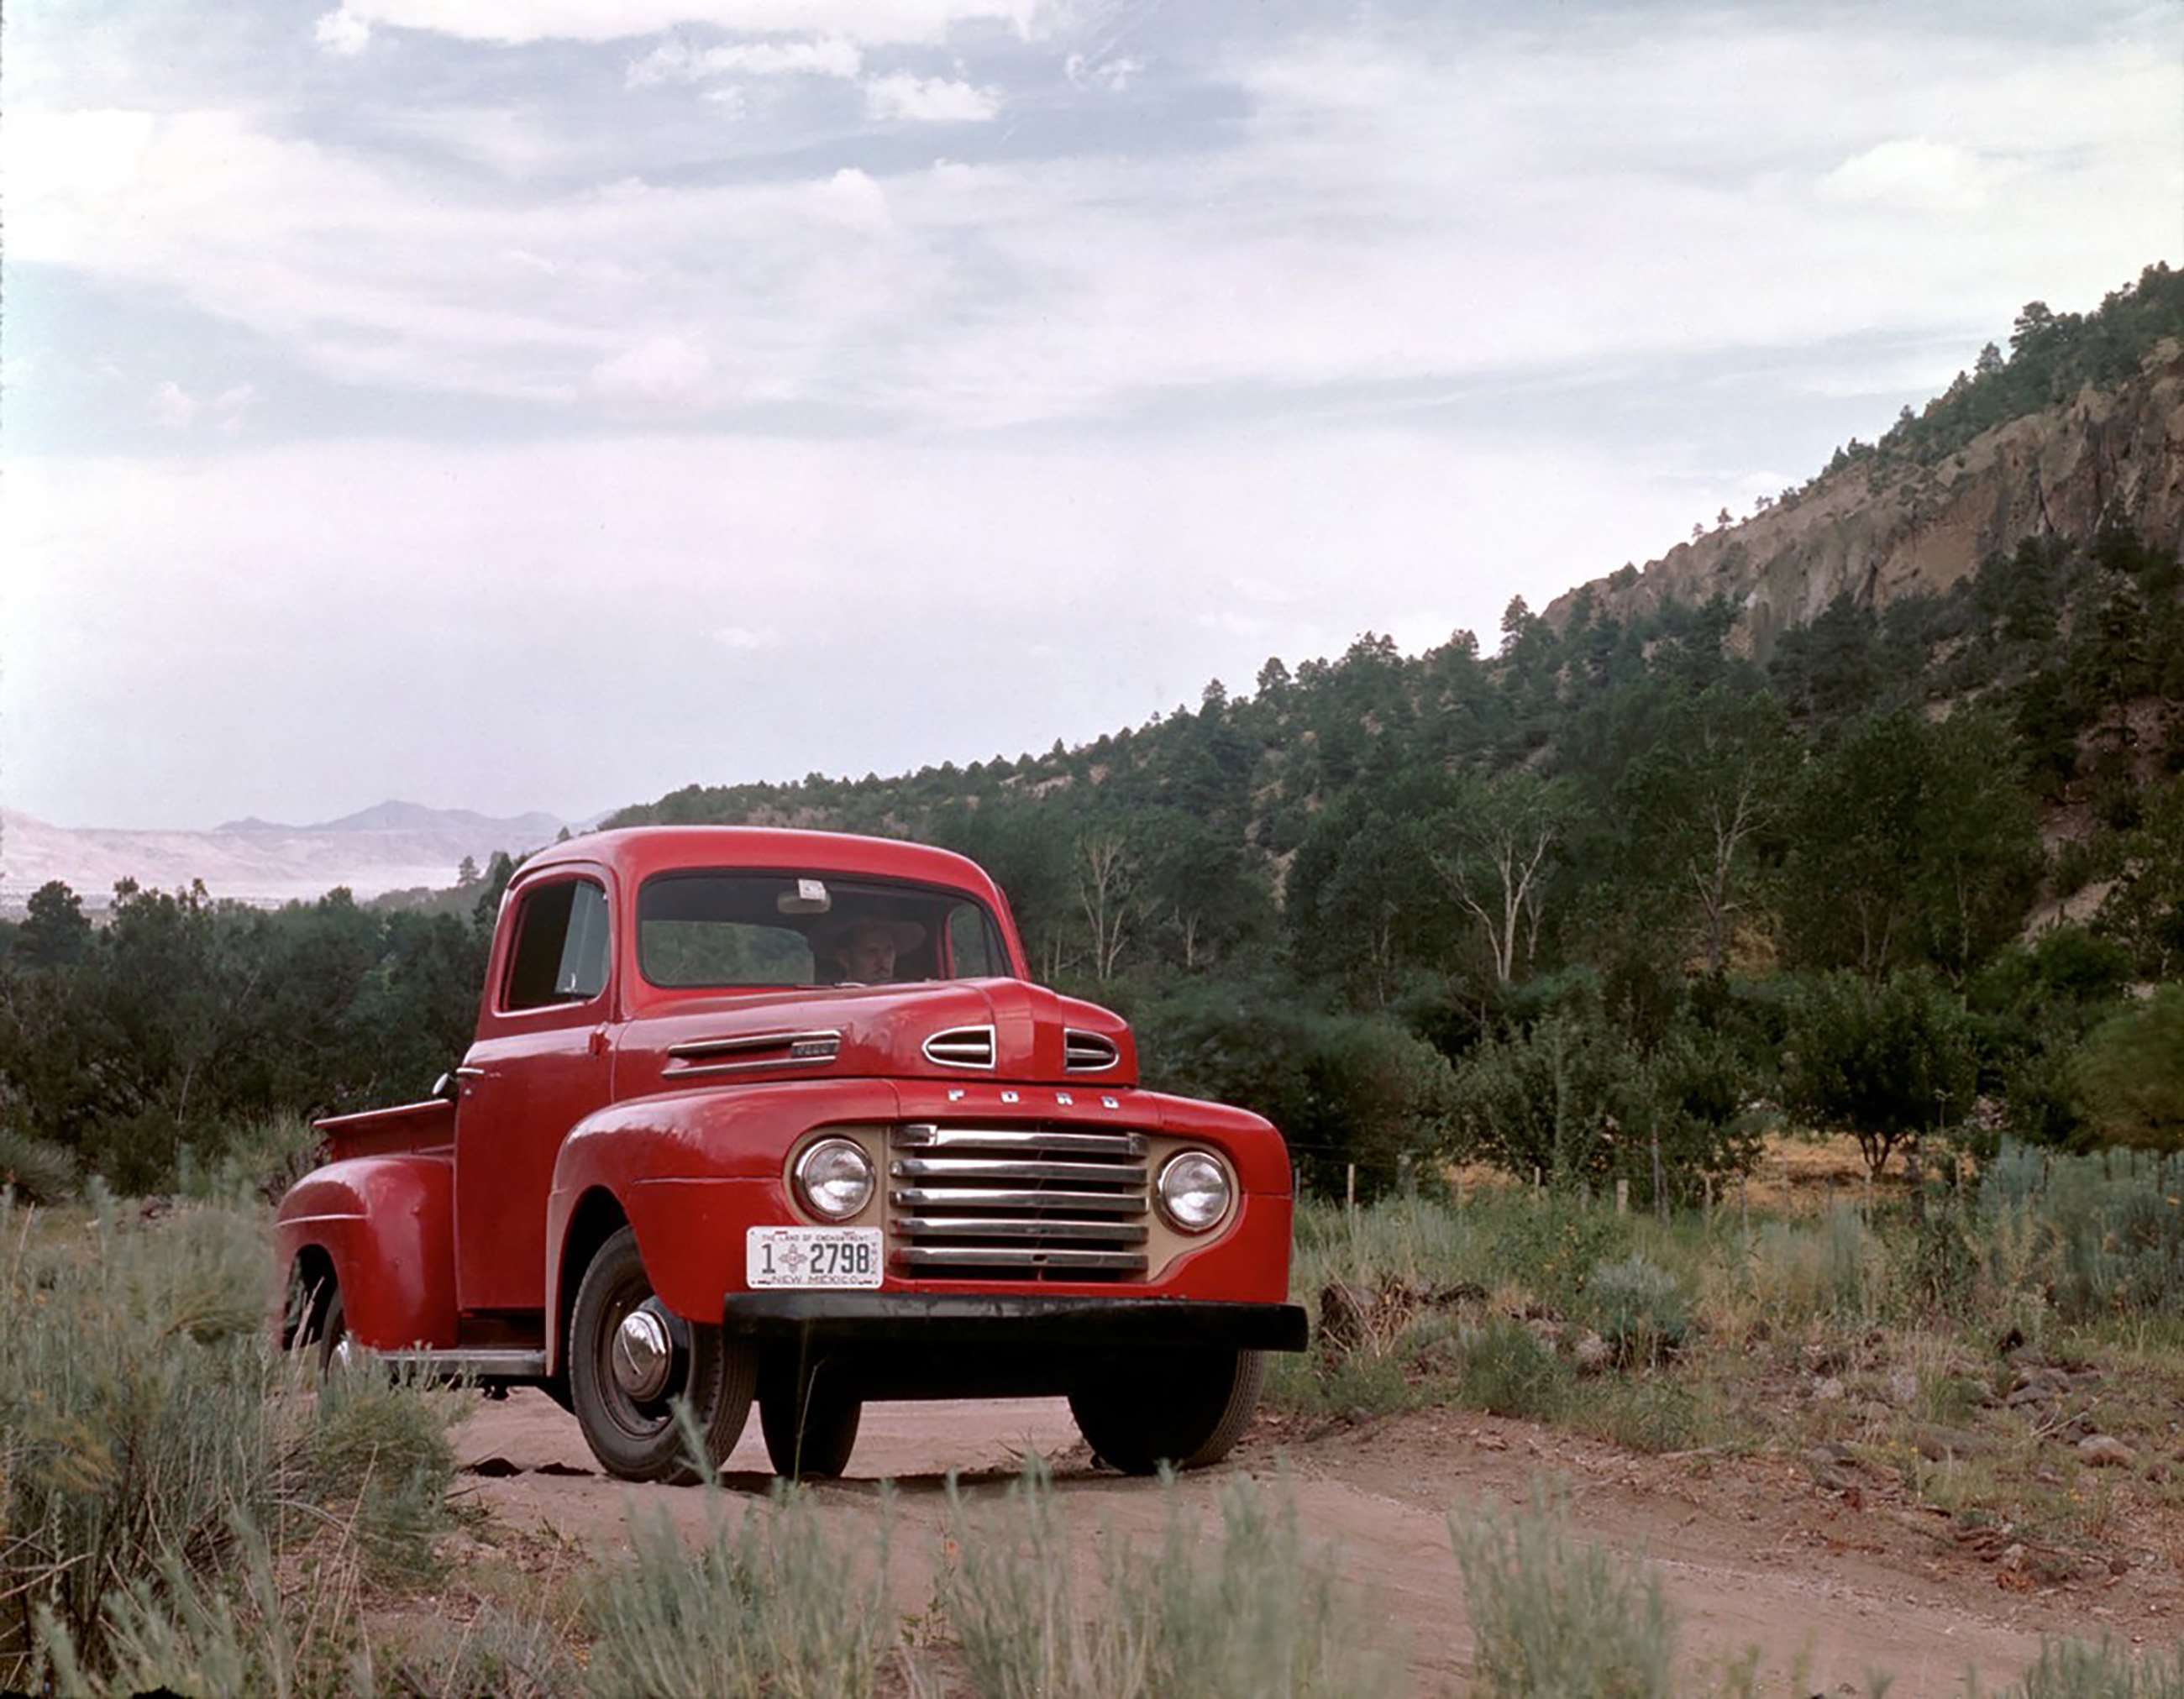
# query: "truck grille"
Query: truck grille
{"points": [[1014, 1203]]}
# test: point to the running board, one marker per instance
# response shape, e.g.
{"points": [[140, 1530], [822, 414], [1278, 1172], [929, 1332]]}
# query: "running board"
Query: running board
{"points": [[478, 1362]]}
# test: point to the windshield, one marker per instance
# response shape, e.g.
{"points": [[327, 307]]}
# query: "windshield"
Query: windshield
{"points": [[720, 929]]}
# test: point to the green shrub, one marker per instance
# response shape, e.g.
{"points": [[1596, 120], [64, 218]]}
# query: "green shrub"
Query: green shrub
{"points": [[189, 1633], [2104, 1669], [38, 1172], [377, 1446], [769, 1605], [2131, 1074], [1554, 1618], [2107, 1228], [1508, 1372], [138, 1412], [1638, 1308], [1260, 1613]]}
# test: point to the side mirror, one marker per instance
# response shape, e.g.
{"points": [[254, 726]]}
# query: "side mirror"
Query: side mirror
{"points": [[445, 1089]]}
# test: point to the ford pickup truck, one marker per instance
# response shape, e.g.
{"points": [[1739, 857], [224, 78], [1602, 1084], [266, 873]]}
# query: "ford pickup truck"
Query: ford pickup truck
{"points": [[778, 1116]]}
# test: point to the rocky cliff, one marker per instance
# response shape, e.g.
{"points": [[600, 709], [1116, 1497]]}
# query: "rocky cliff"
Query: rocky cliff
{"points": [[1882, 529]]}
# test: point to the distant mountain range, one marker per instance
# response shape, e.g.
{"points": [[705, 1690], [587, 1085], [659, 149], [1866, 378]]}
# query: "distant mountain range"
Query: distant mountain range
{"points": [[391, 846]]}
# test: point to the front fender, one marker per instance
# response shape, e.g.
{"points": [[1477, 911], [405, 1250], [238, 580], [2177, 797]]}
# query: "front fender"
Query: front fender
{"points": [[388, 1225], [689, 1172]]}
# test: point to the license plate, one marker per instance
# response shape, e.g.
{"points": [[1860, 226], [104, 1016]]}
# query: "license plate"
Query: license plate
{"points": [[811, 1257]]}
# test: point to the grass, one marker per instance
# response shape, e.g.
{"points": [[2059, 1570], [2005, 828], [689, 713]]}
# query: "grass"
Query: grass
{"points": [[171, 1498], [1264, 1611], [1837, 1325], [178, 1508], [1555, 1619]]}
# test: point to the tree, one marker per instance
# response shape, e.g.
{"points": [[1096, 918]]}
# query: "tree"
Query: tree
{"points": [[467, 874], [1106, 892], [1721, 772], [1913, 842], [1496, 838], [55, 930], [2131, 1074], [1882, 1062], [2145, 911]]}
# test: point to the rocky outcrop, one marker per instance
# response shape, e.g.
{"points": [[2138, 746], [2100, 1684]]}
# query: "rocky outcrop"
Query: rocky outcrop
{"points": [[1883, 531]]}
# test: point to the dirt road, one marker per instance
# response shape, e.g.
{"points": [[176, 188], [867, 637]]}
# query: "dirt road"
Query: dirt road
{"points": [[1752, 1553]]}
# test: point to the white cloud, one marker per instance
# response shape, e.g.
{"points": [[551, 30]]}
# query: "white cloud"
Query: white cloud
{"points": [[173, 406], [928, 100], [1114, 75], [664, 370], [232, 406], [344, 31], [833, 55], [747, 638], [513, 22], [1383, 212], [1916, 174]]}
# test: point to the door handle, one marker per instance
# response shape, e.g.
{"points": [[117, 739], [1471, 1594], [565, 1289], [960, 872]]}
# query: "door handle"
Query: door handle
{"points": [[469, 1073], [598, 1041]]}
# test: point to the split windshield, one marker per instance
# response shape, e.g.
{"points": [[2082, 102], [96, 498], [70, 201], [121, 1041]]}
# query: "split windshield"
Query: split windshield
{"points": [[720, 929]]}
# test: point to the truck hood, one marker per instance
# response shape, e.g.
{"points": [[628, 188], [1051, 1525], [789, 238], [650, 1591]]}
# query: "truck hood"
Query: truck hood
{"points": [[971, 1029]]}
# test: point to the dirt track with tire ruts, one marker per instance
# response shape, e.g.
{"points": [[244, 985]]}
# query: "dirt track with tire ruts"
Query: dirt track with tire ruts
{"points": [[1752, 1551]]}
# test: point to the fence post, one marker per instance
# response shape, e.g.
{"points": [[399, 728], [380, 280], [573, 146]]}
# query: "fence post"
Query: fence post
{"points": [[1349, 1190], [1622, 1197]]}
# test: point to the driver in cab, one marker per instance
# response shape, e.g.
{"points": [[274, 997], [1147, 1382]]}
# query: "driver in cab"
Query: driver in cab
{"points": [[864, 952]]}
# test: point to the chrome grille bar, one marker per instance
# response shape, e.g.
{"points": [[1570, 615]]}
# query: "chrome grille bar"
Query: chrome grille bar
{"points": [[1015, 1168], [1059, 1144], [1014, 1227], [1025, 1202], [1130, 1201], [998, 1257]]}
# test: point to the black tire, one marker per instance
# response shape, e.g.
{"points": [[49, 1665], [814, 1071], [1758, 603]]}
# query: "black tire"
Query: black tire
{"points": [[1188, 1414], [327, 1330], [643, 1442], [809, 1433]]}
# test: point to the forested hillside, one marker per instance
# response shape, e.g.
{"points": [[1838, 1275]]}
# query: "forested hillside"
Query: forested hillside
{"points": [[1603, 896]]}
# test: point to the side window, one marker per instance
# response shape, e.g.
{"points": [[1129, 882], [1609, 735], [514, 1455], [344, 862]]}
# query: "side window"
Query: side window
{"points": [[560, 946], [974, 952]]}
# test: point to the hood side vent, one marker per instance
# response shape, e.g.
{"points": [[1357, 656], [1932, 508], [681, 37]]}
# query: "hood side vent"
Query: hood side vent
{"points": [[1088, 1052], [740, 1051], [962, 1047]]}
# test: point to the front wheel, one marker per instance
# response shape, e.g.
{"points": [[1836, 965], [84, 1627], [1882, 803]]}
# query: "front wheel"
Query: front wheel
{"points": [[1188, 1414], [630, 1359]]}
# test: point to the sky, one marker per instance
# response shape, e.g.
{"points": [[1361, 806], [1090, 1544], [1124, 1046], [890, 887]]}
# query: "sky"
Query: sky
{"points": [[546, 404]]}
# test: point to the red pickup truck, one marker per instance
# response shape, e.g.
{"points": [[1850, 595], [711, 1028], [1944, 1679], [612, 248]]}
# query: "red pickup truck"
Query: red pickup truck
{"points": [[777, 1114]]}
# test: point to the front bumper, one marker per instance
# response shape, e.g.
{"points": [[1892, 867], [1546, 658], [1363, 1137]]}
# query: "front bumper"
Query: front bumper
{"points": [[1008, 1322]]}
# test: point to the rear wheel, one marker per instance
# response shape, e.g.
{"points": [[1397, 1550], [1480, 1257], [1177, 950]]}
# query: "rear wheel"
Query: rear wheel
{"points": [[810, 1431], [1188, 1414], [630, 1359], [329, 1340]]}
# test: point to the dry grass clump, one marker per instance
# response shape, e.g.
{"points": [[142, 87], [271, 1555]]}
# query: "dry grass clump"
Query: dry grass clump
{"points": [[1555, 1619], [171, 1500], [1261, 1612]]}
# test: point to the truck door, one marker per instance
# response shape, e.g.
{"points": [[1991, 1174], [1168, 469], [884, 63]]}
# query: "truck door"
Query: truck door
{"points": [[543, 1061]]}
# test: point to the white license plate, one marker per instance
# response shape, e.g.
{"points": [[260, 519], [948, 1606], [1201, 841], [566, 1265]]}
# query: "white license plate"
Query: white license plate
{"points": [[811, 1257]]}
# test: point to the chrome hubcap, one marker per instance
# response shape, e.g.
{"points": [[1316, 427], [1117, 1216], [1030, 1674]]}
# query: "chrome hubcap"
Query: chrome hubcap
{"points": [[644, 1355]]}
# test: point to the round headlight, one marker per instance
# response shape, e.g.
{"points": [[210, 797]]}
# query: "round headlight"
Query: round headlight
{"points": [[835, 1178], [1194, 1191]]}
